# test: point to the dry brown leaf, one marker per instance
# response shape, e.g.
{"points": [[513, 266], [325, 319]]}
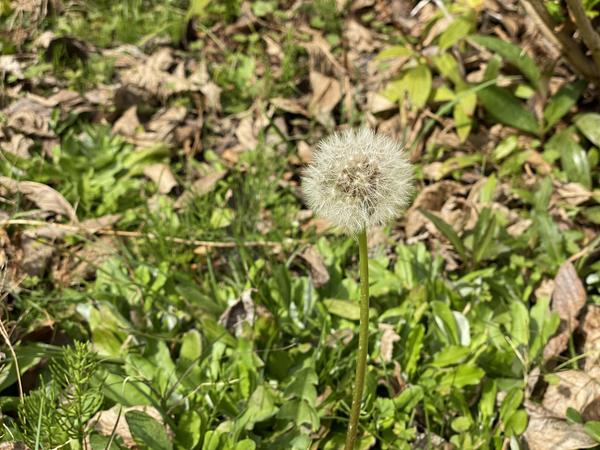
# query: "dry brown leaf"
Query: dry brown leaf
{"points": [[128, 124], [239, 314], [379, 104], [318, 270], [567, 300], [84, 264], [245, 133], [162, 124], [162, 175], [153, 75], [289, 105], [304, 152], [575, 389], [104, 422], [19, 145], [326, 93], [550, 433], [13, 446], [359, 38], [46, 198], [200, 187], [431, 198], [29, 117], [591, 347], [11, 65], [388, 337], [574, 193]]}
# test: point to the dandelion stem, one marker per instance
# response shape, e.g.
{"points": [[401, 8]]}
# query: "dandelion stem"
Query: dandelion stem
{"points": [[363, 341]]}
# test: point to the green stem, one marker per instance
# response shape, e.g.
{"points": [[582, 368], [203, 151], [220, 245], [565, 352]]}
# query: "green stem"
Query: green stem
{"points": [[363, 341]]}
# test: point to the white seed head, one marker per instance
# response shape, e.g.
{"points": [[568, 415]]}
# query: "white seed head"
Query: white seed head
{"points": [[358, 179]]}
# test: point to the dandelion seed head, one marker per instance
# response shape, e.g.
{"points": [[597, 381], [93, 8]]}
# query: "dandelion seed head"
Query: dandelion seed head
{"points": [[358, 179]]}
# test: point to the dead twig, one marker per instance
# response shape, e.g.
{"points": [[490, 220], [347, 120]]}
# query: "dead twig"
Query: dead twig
{"points": [[138, 234], [588, 34], [568, 46]]}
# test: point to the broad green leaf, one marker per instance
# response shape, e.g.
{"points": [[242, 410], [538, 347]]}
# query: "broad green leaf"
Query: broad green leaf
{"points": [[592, 428], [411, 351], [542, 324], [300, 412], [463, 375], [551, 239], [303, 385], [409, 398], [448, 232], [519, 329], [246, 444], [458, 29], [260, 406], [589, 125], [417, 83], [561, 102], [573, 415], [516, 423], [450, 355], [189, 429], [511, 403], [463, 115], [446, 322], [504, 107], [393, 52], [147, 432], [487, 403], [505, 147], [485, 230], [191, 349], [343, 308], [447, 65], [572, 156], [512, 54], [592, 214]]}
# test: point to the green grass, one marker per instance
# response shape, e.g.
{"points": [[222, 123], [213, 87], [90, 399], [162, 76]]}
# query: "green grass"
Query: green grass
{"points": [[145, 325]]}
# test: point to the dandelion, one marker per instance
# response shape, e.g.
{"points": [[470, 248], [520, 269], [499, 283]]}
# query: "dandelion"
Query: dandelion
{"points": [[358, 179]]}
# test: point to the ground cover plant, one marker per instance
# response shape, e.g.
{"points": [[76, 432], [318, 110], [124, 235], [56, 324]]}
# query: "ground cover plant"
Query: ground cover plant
{"points": [[164, 284]]}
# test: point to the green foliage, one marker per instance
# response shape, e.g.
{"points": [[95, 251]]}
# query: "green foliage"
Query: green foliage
{"points": [[59, 411]]}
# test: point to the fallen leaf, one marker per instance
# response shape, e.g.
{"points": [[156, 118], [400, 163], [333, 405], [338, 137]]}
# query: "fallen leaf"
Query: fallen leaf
{"points": [[162, 175], [201, 186], [326, 93], [386, 344], [574, 389], [574, 193], [289, 105], [153, 75], [113, 421], [245, 134], [19, 145], [550, 433], [240, 313], [590, 326], [11, 65], [13, 446], [568, 299], [128, 124], [304, 152], [379, 104], [29, 117], [46, 198], [431, 198], [318, 270]]}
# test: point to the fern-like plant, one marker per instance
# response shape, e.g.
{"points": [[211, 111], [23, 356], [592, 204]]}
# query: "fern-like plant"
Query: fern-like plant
{"points": [[59, 411]]}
